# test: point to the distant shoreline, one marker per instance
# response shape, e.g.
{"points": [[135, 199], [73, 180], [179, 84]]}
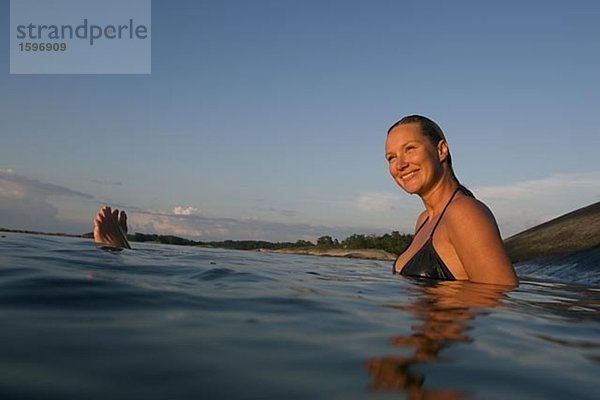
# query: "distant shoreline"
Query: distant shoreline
{"points": [[41, 233], [366, 254]]}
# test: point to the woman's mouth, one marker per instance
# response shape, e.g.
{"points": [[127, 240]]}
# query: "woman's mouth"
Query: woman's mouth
{"points": [[409, 175]]}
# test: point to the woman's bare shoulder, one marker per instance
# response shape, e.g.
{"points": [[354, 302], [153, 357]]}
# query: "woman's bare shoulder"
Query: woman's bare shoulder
{"points": [[468, 209], [469, 220], [473, 232]]}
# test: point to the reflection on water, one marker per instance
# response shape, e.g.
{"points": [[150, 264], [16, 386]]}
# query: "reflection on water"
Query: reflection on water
{"points": [[444, 311]]}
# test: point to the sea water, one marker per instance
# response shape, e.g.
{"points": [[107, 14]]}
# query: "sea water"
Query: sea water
{"points": [[170, 322]]}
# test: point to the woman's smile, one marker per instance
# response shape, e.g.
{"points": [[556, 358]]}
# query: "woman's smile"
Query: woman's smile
{"points": [[408, 176]]}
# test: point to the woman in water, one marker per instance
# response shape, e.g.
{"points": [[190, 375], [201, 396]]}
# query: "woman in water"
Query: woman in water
{"points": [[456, 237]]}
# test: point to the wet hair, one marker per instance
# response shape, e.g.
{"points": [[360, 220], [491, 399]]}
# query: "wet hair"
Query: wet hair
{"points": [[434, 133]]}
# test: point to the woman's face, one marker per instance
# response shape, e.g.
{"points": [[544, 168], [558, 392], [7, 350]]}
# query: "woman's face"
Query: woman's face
{"points": [[415, 164]]}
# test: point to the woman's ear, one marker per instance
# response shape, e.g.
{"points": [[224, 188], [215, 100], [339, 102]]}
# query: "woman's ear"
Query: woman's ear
{"points": [[443, 150]]}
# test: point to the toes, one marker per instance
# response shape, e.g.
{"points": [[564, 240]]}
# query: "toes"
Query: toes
{"points": [[108, 215], [100, 216], [123, 221], [105, 211]]}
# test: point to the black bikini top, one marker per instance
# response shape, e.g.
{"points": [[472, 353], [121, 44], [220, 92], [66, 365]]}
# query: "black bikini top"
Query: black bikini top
{"points": [[426, 262]]}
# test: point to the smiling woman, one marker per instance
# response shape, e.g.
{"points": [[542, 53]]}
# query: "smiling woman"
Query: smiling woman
{"points": [[456, 237]]}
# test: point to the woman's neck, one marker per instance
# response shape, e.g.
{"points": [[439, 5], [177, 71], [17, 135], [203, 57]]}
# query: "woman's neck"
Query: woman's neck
{"points": [[436, 199]]}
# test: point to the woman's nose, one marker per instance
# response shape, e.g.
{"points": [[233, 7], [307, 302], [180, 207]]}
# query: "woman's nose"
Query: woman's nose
{"points": [[401, 163]]}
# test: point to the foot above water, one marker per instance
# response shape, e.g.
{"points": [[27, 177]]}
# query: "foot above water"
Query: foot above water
{"points": [[110, 227]]}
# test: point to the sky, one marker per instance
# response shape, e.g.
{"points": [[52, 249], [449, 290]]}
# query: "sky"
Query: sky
{"points": [[267, 120]]}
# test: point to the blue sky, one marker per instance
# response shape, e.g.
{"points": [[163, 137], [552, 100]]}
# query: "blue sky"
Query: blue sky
{"points": [[267, 119]]}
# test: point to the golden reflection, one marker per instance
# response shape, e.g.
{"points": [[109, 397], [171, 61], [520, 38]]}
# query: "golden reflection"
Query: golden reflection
{"points": [[444, 310]]}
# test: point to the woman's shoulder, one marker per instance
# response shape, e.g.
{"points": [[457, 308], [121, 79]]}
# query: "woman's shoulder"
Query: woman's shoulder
{"points": [[466, 211], [472, 230]]}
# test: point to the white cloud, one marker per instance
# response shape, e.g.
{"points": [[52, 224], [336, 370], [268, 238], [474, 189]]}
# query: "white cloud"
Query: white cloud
{"points": [[24, 204], [558, 185], [525, 204], [377, 202], [179, 210], [163, 224], [13, 185]]}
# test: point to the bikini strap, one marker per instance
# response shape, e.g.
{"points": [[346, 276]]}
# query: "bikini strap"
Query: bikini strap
{"points": [[422, 225], [443, 211]]}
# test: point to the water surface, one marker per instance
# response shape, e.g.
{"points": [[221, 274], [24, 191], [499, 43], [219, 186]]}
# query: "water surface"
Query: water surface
{"points": [[181, 322]]}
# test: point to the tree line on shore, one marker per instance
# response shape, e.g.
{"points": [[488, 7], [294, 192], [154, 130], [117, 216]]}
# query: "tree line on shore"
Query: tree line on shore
{"points": [[394, 242]]}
